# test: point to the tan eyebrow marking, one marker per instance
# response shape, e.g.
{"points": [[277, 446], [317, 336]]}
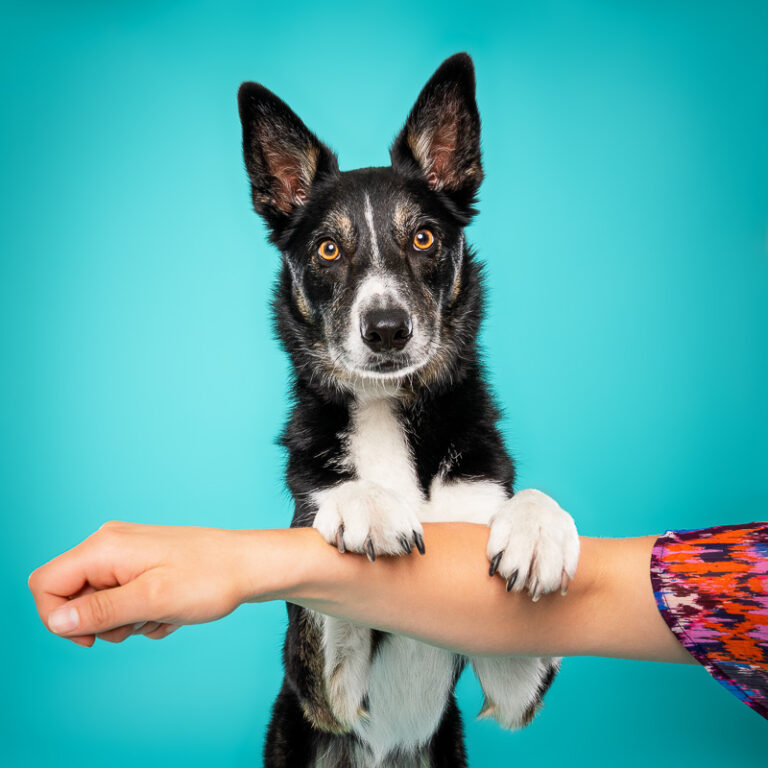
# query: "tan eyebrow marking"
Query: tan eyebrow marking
{"points": [[341, 221], [404, 219], [338, 224]]}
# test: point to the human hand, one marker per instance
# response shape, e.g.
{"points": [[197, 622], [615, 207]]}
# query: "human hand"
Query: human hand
{"points": [[145, 579]]}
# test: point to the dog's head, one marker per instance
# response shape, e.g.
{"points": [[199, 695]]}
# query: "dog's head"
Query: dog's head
{"points": [[377, 283]]}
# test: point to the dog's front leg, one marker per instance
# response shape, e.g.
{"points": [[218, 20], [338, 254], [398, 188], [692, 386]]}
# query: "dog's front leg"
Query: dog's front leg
{"points": [[533, 544], [513, 687], [363, 517], [347, 651]]}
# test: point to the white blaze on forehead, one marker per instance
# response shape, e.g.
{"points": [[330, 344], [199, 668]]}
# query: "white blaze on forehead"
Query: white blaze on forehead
{"points": [[375, 255]]}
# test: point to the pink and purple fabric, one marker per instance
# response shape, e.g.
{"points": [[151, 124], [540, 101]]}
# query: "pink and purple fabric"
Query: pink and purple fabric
{"points": [[711, 586]]}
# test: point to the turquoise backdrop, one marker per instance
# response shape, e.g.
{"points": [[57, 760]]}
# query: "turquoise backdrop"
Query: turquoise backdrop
{"points": [[624, 218]]}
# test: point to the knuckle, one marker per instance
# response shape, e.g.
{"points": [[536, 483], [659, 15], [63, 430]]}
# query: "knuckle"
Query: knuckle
{"points": [[101, 609], [153, 593], [34, 580], [111, 524]]}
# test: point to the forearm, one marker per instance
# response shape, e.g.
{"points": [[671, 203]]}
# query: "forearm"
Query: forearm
{"points": [[447, 598], [129, 578]]}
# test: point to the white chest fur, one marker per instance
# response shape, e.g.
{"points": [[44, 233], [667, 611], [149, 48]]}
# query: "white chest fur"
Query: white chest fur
{"points": [[378, 449]]}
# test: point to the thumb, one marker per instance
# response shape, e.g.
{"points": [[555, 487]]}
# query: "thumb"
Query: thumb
{"points": [[102, 610]]}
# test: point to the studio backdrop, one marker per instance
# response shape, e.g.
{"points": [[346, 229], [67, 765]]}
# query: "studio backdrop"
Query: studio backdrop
{"points": [[623, 224]]}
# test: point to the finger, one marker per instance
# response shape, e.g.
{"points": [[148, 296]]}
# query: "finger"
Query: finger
{"points": [[118, 634], [87, 563], [149, 628], [74, 573], [47, 603], [85, 640], [103, 610], [162, 631]]}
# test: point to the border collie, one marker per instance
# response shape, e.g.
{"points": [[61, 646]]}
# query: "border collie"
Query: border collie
{"points": [[378, 305]]}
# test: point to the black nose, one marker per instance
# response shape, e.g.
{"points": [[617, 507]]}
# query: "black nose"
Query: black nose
{"points": [[386, 329]]}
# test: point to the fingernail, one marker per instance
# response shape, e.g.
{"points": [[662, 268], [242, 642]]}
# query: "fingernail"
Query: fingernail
{"points": [[63, 619]]}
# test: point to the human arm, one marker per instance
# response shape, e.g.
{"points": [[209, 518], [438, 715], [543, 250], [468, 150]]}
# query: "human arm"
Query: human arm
{"points": [[171, 576]]}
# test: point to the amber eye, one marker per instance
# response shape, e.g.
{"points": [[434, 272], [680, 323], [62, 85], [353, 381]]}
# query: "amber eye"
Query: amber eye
{"points": [[423, 240], [328, 250]]}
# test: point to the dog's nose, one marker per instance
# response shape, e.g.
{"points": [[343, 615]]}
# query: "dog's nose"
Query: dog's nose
{"points": [[386, 329]]}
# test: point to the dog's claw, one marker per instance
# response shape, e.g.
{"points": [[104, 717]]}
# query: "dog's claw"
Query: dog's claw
{"points": [[564, 583], [495, 563], [340, 540], [511, 580], [369, 550], [535, 591], [487, 711], [405, 544], [419, 541]]}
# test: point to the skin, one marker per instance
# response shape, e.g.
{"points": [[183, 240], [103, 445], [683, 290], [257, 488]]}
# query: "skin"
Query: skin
{"points": [[143, 579]]}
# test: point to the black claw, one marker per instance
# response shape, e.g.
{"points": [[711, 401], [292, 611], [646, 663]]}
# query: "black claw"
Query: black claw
{"points": [[340, 540], [419, 541], [511, 580], [495, 563], [406, 545], [369, 550]]}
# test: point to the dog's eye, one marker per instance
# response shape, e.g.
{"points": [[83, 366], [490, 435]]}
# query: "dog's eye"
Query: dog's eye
{"points": [[328, 250], [423, 240]]}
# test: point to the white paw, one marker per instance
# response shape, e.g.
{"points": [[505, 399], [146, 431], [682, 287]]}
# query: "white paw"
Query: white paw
{"points": [[363, 517], [533, 544]]}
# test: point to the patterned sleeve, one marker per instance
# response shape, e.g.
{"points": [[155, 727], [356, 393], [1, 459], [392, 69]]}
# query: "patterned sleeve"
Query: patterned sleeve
{"points": [[711, 586]]}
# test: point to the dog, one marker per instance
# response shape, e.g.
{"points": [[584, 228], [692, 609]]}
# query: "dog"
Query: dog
{"points": [[378, 304]]}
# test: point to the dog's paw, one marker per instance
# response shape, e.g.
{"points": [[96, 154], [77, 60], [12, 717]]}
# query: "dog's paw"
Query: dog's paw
{"points": [[363, 517], [533, 544]]}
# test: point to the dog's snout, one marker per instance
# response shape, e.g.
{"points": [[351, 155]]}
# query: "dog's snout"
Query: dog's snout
{"points": [[384, 330]]}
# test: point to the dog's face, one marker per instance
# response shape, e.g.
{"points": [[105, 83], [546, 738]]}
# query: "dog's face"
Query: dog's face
{"points": [[374, 258]]}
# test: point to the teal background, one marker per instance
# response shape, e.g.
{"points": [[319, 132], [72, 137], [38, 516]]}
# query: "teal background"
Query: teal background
{"points": [[624, 219]]}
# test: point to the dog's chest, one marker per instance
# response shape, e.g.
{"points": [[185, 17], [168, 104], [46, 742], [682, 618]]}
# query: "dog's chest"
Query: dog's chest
{"points": [[378, 449]]}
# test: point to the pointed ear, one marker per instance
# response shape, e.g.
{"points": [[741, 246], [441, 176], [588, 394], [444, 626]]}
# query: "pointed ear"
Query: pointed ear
{"points": [[441, 138], [284, 159]]}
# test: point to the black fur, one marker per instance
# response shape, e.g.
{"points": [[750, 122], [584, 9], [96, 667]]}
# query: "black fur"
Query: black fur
{"points": [[447, 412]]}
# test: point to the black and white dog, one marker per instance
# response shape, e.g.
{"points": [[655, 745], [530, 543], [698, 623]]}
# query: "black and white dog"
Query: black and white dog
{"points": [[378, 305]]}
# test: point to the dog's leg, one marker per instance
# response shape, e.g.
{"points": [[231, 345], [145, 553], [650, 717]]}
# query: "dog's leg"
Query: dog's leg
{"points": [[347, 650], [533, 544], [290, 741], [363, 517], [359, 516], [513, 687], [304, 658]]}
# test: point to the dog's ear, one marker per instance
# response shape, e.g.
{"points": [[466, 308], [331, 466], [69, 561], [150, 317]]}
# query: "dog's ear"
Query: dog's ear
{"points": [[284, 159], [441, 138]]}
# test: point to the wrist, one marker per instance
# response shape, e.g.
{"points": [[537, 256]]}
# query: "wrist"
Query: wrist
{"points": [[277, 564]]}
